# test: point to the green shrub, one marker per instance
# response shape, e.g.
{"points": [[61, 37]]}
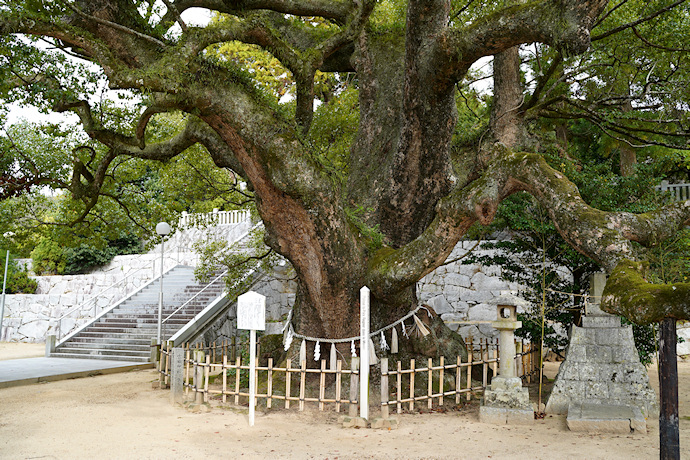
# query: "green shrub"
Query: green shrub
{"points": [[48, 258], [18, 281], [85, 258]]}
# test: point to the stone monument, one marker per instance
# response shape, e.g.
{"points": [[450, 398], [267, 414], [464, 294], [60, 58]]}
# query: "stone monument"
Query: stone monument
{"points": [[505, 400], [602, 385]]}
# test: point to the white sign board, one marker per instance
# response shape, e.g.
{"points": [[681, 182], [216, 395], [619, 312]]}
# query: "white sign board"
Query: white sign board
{"points": [[251, 311]]}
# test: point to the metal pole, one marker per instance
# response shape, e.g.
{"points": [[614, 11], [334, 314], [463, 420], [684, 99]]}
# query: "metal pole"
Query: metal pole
{"points": [[160, 296], [4, 284]]}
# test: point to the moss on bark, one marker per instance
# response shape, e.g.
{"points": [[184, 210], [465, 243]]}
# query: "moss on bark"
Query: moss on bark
{"points": [[629, 294]]}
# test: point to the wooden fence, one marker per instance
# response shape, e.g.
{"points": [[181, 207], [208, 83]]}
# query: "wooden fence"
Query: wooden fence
{"points": [[226, 376]]}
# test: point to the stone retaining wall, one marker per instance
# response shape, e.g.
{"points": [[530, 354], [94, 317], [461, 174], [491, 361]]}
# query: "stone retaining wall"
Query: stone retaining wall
{"points": [[30, 318], [463, 294]]}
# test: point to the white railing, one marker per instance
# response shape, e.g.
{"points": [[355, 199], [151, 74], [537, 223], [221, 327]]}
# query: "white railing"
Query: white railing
{"points": [[680, 192], [214, 218]]}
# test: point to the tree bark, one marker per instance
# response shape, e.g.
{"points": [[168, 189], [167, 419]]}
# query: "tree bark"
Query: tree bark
{"points": [[506, 122], [628, 156]]}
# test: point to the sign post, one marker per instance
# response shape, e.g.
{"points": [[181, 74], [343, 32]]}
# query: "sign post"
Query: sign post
{"points": [[251, 314], [364, 312]]}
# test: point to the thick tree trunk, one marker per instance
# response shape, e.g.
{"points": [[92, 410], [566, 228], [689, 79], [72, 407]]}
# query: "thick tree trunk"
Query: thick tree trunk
{"points": [[506, 121], [628, 160]]}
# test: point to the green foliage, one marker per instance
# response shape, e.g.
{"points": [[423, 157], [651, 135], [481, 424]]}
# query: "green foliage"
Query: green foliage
{"points": [[48, 258], [138, 193], [669, 261], [240, 262], [333, 129], [373, 235], [18, 281], [85, 257], [536, 258]]}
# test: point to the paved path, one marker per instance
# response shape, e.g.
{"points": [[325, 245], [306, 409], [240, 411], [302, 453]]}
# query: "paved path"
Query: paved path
{"points": [[27, 371]]}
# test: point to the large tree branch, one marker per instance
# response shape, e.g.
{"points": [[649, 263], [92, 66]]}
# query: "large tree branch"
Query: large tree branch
{"points": [[329, 9], [564, 24], [603, 236], [637, 22], [629, 294]]}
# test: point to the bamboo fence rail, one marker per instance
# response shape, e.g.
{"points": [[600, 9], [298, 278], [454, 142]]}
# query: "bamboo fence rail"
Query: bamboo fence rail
{"points": [[224, 376]]}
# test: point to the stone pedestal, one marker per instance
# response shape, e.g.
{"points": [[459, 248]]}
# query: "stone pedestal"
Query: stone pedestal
{"points": [[601, 364], [605, 418], [506, 402], [602, 367]]}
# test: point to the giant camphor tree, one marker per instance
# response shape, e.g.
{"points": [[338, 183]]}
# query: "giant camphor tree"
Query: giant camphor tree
{"points": [[395, 203]]}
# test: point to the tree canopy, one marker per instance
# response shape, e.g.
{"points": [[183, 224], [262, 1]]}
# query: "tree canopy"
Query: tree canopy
{"points": [[377, 184]]}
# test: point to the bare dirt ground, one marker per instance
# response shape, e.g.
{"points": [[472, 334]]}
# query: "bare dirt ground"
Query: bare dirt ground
{"points": [[120, 416]]}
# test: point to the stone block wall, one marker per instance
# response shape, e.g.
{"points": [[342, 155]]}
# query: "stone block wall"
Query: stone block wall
{"points": [[463, 294], [279, 289], [30, 318]]}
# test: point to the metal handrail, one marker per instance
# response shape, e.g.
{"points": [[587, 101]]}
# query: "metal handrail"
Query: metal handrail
{"points": [[211, 283], [217, 253], [58, 330]]}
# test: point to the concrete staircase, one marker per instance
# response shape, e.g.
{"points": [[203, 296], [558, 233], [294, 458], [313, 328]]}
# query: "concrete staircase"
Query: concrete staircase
{"points": [[125, 331]]}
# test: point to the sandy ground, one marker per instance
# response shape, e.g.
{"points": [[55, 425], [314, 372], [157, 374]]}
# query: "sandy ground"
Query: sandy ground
{"points": [[121, 416], [15, 350]]}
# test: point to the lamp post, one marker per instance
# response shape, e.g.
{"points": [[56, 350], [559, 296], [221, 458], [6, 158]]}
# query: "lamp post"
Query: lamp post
{"points": [[163, 229]]}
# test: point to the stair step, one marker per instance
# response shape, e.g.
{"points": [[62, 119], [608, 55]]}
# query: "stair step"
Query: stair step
{"points": [[102, 351], [123, 340], [136, 359], [105, 345], [126, 332]]}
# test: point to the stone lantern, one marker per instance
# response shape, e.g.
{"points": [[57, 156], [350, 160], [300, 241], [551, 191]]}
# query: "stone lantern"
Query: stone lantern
{"points": [[506, 324], [505, 400]]}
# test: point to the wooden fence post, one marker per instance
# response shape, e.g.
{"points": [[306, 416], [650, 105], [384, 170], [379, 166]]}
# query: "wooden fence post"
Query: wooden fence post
{"points": [[411, 385], [269, 383], [440, 381], [430, 386], [338, 383], [287, 383], [399, 389], [354, 386], [199, 376], [385, 413]]}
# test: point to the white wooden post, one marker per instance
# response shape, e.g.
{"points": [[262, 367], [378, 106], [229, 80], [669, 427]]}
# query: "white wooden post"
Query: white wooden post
{"points": [[364, 313], [251, 314]]}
